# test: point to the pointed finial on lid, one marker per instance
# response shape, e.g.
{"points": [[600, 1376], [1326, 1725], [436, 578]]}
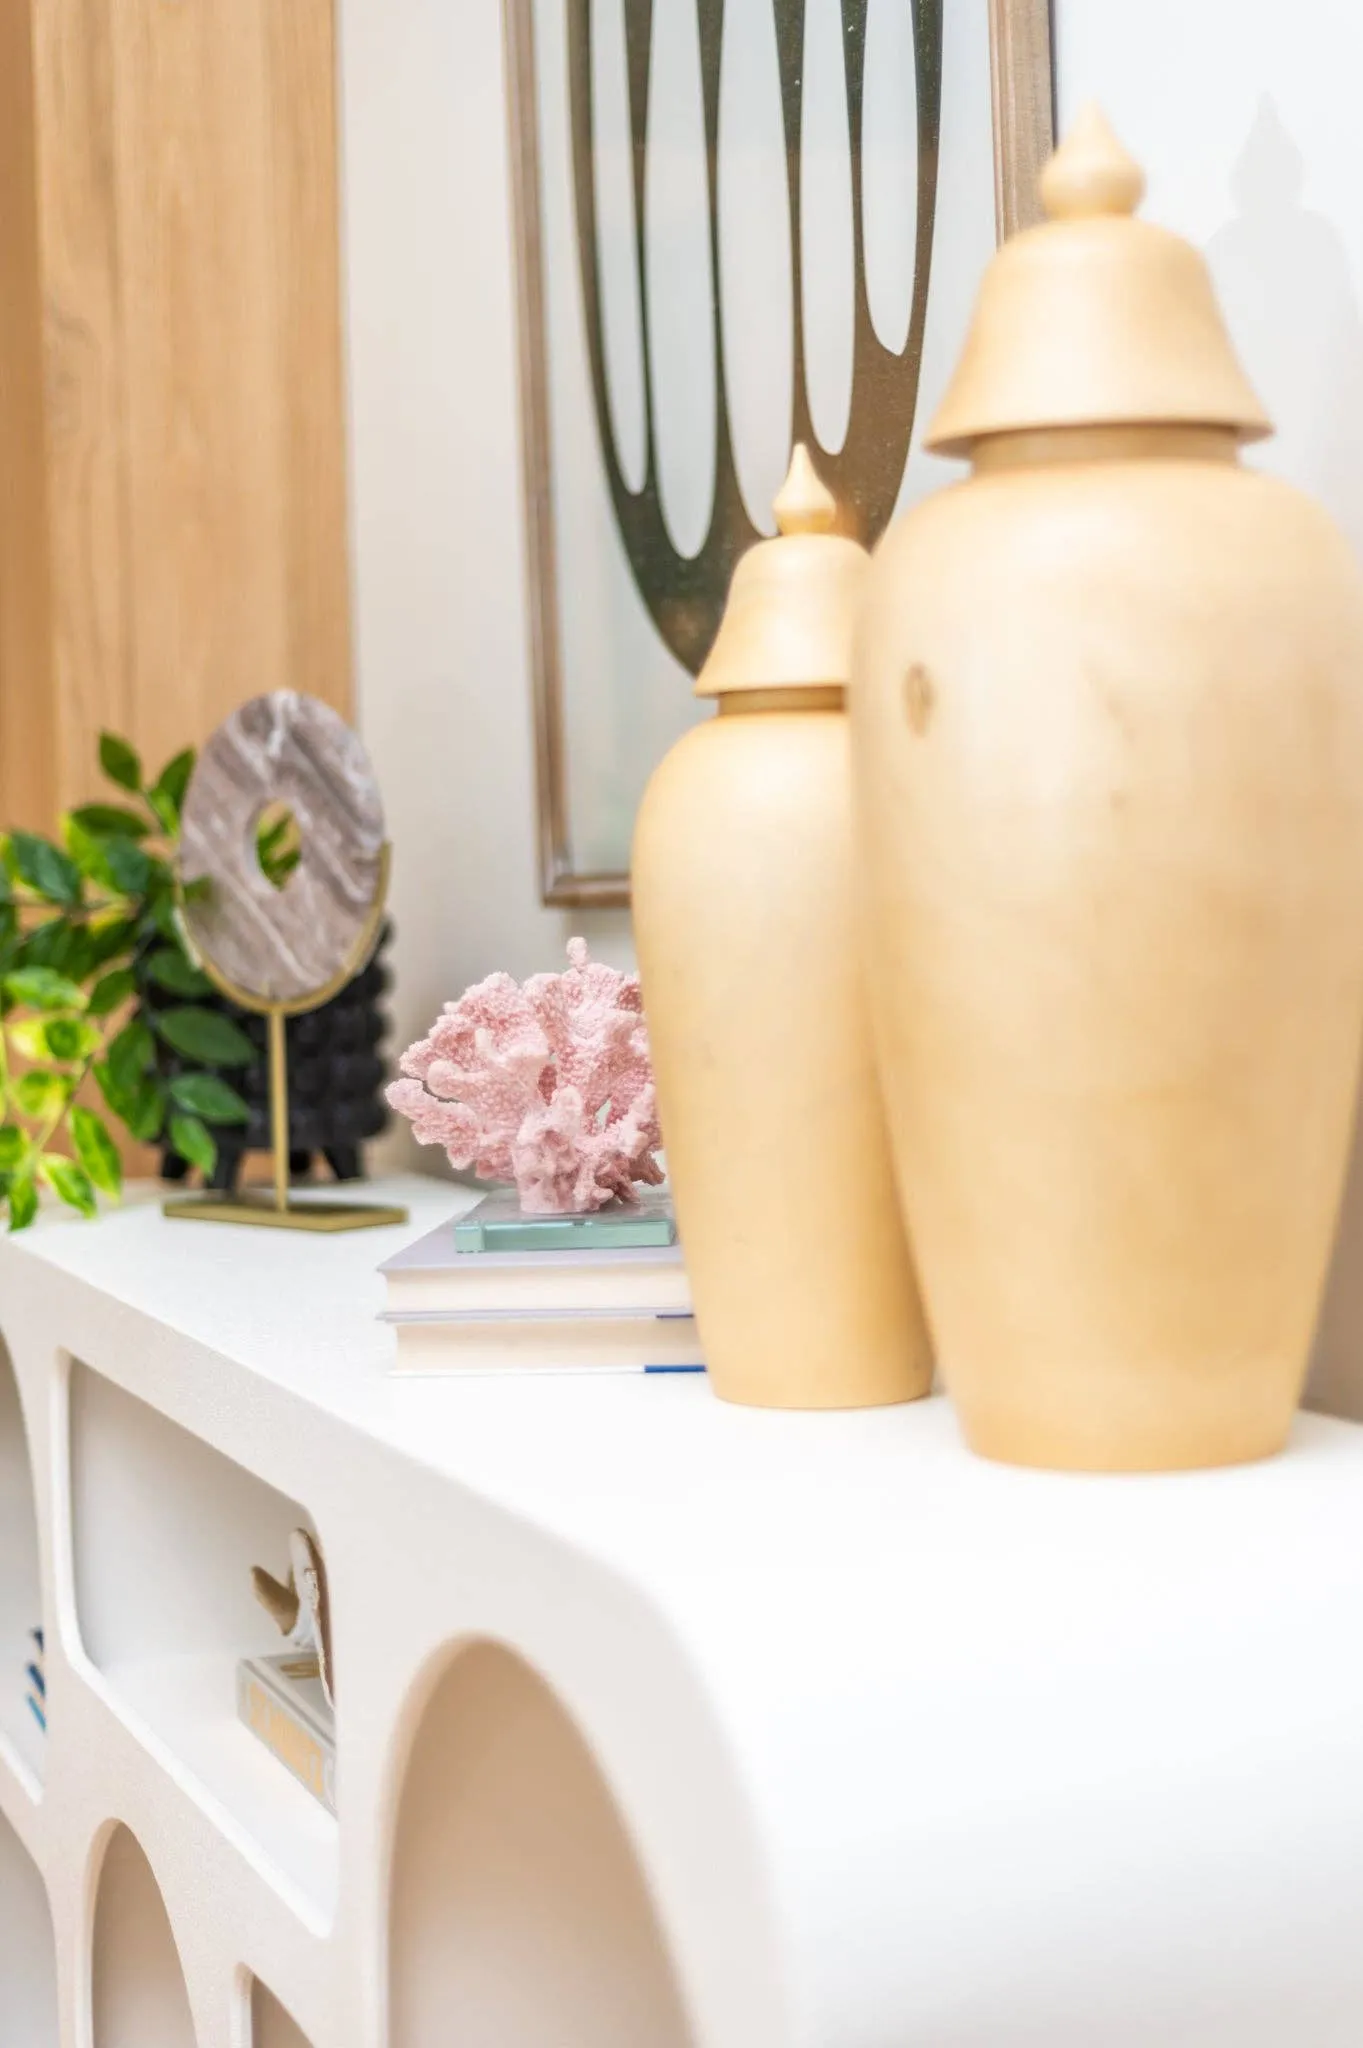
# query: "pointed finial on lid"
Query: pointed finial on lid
{"points": [[1094, 317], [804, 504], [1090, 172], [793, 600]]}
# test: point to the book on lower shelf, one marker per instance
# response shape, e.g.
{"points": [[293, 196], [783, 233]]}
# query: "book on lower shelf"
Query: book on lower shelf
{"points": [[35, 1675], [280, 1699], [603, 1308]]}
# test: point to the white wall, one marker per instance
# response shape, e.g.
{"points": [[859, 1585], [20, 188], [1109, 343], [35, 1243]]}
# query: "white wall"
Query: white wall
{"points": [[438, 561], [1245, 115]]}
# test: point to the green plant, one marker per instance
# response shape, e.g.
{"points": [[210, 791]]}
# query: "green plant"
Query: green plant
{"points": [[86, 921]]}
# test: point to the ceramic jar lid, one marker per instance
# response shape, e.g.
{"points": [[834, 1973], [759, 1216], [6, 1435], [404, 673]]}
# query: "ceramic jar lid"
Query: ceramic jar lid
{"points": [[1094, 318], [793, 601]]}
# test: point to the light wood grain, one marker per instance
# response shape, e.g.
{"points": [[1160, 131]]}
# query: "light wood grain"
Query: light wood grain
{"points": [[191, 520], [25, 641], [87, 532], [301, 104]]}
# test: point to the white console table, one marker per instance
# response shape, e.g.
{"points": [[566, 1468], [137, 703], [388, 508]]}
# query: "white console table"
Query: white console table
{"points": [[661, 1724]]}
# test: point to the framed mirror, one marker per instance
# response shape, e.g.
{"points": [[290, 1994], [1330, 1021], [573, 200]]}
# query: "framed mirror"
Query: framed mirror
{"points": [[740, 225]]}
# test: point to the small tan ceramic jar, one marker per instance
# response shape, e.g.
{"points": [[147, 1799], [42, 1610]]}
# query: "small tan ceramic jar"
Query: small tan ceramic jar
{"points": [[745, 922], [1108, 726]]}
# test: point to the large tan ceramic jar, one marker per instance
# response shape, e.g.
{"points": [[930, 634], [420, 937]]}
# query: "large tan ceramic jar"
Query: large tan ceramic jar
{"points": [[1108, 713], [745, 923]]}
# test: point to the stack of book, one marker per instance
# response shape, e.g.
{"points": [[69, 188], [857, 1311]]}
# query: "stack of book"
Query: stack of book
{"points": [[497, 1292]]}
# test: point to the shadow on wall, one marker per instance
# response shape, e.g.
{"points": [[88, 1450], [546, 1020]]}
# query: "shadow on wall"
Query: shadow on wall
{"points": [[1309, 370]]}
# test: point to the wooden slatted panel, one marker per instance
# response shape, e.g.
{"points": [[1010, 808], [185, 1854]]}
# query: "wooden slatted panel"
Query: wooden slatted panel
{"points": [[26, 730], [191, 518]]}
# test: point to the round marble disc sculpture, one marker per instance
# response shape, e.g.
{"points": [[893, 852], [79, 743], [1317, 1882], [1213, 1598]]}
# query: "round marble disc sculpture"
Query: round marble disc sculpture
{"points": [[283, 946], [282, 950]]}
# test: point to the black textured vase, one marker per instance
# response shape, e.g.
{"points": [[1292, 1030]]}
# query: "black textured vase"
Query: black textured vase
{"points": [[336, 1076]]}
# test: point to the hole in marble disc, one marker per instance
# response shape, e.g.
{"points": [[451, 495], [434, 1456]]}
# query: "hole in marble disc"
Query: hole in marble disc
{"points": [[279, 842]]}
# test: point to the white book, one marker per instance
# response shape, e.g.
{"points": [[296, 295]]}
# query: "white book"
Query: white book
{"points": [[281, 1700], [596, 1341], [430, 1277]]}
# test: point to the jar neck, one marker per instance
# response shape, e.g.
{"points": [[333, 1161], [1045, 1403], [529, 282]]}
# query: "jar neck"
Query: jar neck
{"points": [[1036, 447], [802, 697]]}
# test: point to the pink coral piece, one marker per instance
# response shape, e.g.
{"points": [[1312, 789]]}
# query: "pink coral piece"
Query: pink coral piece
{"points": [[546, 1084]]}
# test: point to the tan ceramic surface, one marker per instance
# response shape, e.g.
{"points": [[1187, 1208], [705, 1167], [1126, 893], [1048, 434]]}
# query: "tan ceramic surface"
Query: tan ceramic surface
{"points": [[1108, 725], [745, 925]]}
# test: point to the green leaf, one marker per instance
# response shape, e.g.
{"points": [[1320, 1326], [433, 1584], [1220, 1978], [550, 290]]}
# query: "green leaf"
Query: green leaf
{"points": [[69, 1181], [167, 817], [173, 780], [87, 851], [129, 868], [207, 1096], [23, 1201], [107, 937], [141, 1106], [115, 861], [111, 990], [77, 960], [58, 943], [70, 1038], [161, 917], [148, 1110], [105, 820], [270, 838], [130, 1055], [167, 794], [45, 868], [120, 1100], [120, 762], [96, 1149], [13, 1147], [206, 1036], [169, 968], [277, 848], [47, 944], [29, 1038], [194, 1141], [278, 869], [42, 988], [41, 1095]]}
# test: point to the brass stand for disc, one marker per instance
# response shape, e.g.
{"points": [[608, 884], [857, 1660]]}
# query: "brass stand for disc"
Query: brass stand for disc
{"points": [[279, 1210]]}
